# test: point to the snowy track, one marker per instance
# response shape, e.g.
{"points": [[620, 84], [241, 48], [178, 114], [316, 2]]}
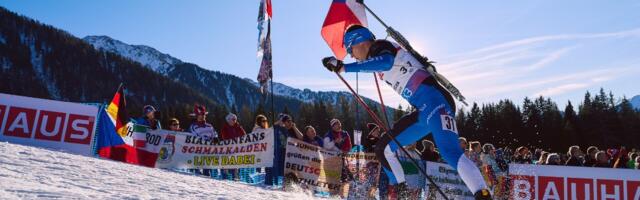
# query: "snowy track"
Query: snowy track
{"points": [[34, 173]]}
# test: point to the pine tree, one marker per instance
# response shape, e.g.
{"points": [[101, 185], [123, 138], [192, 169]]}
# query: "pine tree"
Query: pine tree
{"points": [[345, 115], [569, 128], [398, 113], [472, 125]]}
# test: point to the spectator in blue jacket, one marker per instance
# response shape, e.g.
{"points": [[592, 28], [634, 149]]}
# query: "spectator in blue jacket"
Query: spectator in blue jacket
{"points": [[149, 118]]}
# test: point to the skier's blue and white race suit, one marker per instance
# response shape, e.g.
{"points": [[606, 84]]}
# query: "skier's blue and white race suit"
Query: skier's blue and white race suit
{"points": [[435, 112]]}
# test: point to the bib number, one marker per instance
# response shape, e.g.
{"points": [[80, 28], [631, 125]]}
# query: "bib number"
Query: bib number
{"points": [[449, 123]]}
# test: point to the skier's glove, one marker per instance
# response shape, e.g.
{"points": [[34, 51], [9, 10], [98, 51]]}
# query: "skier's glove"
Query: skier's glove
{"points": [[332, 64]]}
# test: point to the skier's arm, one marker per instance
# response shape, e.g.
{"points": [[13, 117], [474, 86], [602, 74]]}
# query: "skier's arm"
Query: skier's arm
{"points": [[378, 63]]}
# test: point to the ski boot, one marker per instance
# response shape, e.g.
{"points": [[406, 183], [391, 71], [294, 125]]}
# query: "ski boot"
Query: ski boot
{"points": [[483, 194]]}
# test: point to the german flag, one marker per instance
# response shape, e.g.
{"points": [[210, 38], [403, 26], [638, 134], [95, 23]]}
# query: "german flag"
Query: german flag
{"points": [[113, 141], [117, 111]]}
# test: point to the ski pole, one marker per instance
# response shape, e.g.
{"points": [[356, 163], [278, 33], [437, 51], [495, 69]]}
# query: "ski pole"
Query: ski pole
{"points": [[382, 107], [379, 122], [398, 143]]}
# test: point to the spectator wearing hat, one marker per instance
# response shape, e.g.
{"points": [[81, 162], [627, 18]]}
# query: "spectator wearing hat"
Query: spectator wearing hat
{"points": [[474, 152], [602, 160], [201, 128], [543, 158], [554, 159], [464, 145], [337, 139], [369, 140], [590, 158], [232, 128], [149, 118], [282, 129], [288, 128], [311, 137], [522, 156], [575, 157]]}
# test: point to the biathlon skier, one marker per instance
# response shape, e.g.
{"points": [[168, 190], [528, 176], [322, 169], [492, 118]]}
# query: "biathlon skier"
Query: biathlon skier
{"points": [[435, 107]]}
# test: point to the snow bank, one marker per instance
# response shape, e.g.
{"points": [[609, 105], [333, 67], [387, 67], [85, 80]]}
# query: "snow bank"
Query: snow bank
{"points": [[34, 173]]}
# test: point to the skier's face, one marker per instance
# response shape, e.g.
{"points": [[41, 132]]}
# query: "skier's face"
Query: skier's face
{"points": [[360, 51]]}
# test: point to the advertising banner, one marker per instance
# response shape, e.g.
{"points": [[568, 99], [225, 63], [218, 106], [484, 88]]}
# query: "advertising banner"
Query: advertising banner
{"points": [[46, 123]]}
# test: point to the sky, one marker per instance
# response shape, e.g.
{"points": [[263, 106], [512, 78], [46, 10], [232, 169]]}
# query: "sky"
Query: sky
{"points": [[491, 50]]}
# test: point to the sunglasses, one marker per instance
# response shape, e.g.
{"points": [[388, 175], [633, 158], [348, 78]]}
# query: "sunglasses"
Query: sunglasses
{"points": [[175, 124]]}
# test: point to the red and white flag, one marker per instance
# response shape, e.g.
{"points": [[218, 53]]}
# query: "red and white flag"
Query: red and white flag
{"points": [[342, 14], [264, 44]]}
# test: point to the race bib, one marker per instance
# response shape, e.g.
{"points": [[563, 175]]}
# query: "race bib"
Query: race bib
{"points": [[448, 123]]}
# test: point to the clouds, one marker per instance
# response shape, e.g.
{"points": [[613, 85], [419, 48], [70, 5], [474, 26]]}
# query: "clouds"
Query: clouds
{"points": [[550, 65]]}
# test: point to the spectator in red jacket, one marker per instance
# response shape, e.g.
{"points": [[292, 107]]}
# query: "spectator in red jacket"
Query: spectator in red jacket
{"points": [[232, 128], [337, 139]]}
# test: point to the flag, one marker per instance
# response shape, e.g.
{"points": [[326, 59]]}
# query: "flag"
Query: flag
{"points": [[122, 141], [342, 14], [264, 43], [117, 112]]}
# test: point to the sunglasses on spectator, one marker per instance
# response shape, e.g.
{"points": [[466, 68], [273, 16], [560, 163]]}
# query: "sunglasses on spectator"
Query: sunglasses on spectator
{"points": [[175, 124]]}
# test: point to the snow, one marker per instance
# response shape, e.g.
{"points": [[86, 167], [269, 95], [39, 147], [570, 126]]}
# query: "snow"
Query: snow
{"points": [[36, 63], [164, 63], [145, 55], [34, 173], [229, 94], [635, 102]]}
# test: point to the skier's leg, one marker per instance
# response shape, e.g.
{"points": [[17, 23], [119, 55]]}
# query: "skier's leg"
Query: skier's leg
{"points": [[406, 131], [440, 120]]}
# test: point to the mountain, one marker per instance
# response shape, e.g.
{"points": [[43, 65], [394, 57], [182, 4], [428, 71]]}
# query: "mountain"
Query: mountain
{"points": [[41, 61], [207, 81], [149, 57], [35, 173], [635, 102], [38, 60]]}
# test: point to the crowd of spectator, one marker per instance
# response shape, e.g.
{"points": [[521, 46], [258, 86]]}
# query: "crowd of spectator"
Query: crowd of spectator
{"points": [[492, 161]]}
